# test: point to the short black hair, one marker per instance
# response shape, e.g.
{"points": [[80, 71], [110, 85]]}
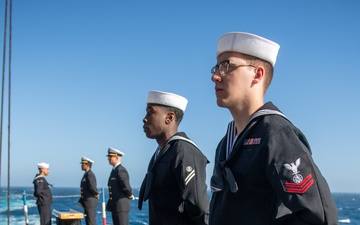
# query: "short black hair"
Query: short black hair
{"points": [[179, 114]]}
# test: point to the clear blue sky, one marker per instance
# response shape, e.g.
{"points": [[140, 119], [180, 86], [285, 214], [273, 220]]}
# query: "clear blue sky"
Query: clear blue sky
{"points": [[81, 70]]}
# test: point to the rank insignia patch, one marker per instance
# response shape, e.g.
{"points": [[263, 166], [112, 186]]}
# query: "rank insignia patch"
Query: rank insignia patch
{"points": [[190, 176], [252, 141], [300, 185]]}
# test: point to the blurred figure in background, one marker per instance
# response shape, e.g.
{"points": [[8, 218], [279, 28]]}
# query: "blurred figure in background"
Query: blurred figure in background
{"points": [[89, 192], [120, 191], [42, 193]]}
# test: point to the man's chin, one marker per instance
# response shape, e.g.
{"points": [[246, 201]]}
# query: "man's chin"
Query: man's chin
{"points": [[148, 135], [221, 103]]}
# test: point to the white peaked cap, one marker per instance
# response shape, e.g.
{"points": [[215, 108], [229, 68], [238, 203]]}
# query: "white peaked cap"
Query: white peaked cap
{"points": [[43, 165], [167, 99], [113, 152], [86, 160], [249, 44]]}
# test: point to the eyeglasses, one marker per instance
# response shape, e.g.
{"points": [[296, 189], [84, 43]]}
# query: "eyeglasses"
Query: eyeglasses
{"points": [[224, 66]]}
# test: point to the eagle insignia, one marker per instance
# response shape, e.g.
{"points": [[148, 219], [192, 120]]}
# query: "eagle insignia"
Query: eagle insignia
{"points": [[300, 185], [189, 169]]}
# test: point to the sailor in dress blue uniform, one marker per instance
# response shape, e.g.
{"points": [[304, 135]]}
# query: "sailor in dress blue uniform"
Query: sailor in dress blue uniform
{"points": [[264, 173], [43, 194], [175, 182]]}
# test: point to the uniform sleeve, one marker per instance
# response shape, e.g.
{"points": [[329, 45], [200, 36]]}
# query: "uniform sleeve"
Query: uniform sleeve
{"points": [[191, 175], [297, 180], [124, 181], [37, 188], [92, 184]]}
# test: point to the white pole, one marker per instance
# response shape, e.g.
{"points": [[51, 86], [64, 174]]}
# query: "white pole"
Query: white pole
{"points": [[103, 207], [25, 209]]}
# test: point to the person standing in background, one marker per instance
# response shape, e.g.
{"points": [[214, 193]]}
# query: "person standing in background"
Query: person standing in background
{"points": [[42, 193], [264, 172], [175, 182], [120, 191], [89, 192]]}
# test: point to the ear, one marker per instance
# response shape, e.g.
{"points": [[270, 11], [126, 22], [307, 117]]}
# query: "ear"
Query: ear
{"points": [[259, 74], [170, 116]]}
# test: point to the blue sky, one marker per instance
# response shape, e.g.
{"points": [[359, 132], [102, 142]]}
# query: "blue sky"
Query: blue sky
{"points": [[81, 70]]}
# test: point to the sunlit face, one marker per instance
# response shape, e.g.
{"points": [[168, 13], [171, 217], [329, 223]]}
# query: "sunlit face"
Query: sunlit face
{"points": [[84, 166], [154, 121], [113, 160], [234, 87], [45, 171]]}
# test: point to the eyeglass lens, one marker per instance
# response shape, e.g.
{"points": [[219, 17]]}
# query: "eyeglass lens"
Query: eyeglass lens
{"points": [[223, 67]]}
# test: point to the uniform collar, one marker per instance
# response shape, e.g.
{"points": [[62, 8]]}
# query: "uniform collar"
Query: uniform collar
{"points": [[116, 165]]}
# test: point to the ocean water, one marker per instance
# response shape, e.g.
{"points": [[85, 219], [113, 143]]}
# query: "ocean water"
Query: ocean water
{"points": [[66, 198]]}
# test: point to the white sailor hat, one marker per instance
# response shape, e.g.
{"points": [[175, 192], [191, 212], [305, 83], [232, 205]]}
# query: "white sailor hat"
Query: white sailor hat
{"points": [[167, 99], [43, 165], [249, 44], [114, 152], [86, 160]]}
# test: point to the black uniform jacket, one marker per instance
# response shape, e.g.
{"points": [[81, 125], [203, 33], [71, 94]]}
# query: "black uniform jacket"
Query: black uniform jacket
{"points": [[175, 185], [119, 190], [270, 178], [89, 191], [42, 191]]}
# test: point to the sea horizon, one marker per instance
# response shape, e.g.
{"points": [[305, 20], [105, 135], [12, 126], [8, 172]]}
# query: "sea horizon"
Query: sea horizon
{"points": [[138, 188]]}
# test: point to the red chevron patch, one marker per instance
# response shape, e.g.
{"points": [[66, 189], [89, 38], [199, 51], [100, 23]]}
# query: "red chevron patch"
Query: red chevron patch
{"points": [[300, 188]]}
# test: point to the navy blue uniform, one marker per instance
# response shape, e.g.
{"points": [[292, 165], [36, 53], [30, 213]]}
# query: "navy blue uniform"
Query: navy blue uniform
{"points": [[175, 185], [89, 195], [119, 193], [269, 178], [43, 195]]}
